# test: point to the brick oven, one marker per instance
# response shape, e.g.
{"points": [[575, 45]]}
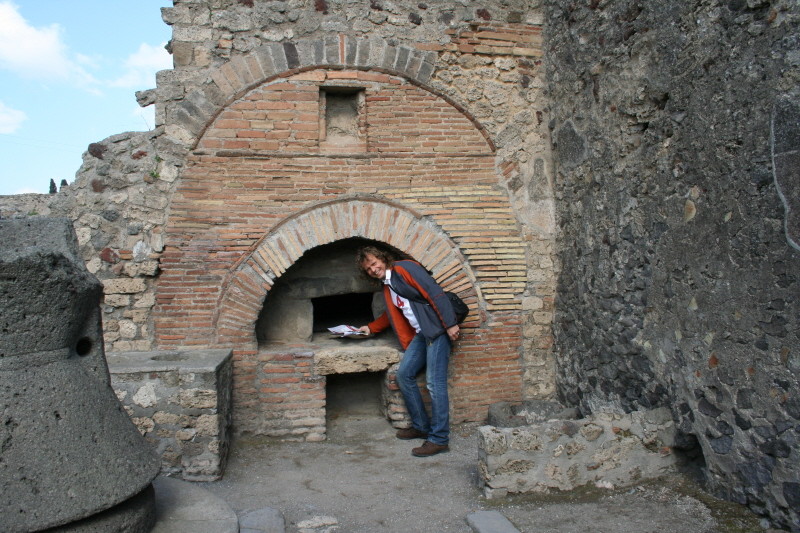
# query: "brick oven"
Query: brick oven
{"points": [[284, 183], [609, 208]]}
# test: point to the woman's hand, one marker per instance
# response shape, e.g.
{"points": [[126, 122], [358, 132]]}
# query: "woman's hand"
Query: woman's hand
{"points": [[453, 332], [365, 330]]}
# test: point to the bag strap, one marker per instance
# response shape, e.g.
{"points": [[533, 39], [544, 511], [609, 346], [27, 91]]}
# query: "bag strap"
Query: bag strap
{"points": [[413, 298]]}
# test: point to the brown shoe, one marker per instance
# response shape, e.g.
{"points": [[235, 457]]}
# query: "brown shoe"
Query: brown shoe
{"points": [[411, 433], [428, 448]]}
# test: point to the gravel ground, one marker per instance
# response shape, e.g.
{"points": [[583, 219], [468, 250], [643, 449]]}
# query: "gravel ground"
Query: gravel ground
{"points": [[364, 480]]}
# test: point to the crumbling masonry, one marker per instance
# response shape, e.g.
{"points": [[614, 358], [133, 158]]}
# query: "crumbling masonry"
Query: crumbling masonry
{"points": [[611, 186]]}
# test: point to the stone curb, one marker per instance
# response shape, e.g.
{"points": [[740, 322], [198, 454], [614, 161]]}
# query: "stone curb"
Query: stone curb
{"points": [[182, 507], [490, 522]]}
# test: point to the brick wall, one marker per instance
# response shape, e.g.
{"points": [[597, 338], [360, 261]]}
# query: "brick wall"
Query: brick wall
{"points": [[258, 192], [278, 394]]}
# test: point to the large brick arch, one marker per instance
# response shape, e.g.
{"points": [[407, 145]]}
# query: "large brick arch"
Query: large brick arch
{"points": [[244, 212], [235, 78], [244, 291]]}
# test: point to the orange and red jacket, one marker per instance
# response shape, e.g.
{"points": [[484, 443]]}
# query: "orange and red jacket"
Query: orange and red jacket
{"points": [[428, 301]]}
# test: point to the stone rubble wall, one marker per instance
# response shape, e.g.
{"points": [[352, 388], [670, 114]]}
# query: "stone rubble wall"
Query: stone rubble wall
{"points": [[606, 450], [182, 407], [678, 285], [25, 205], [118, 204], [392, 402]]}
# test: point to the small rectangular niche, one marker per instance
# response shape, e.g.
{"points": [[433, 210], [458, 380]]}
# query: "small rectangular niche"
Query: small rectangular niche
{"points": [[342, 120]]}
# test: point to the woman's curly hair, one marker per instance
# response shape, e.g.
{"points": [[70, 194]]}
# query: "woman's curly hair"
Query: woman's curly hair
{"points": [[383, 255]]}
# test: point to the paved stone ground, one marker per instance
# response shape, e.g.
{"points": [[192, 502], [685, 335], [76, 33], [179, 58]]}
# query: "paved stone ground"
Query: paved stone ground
{"points": [[364, 480]]}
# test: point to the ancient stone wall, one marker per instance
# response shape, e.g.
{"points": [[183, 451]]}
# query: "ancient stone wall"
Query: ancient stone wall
{"points": [[679, 286], [118, 204], [483, 59], [674, 127]]}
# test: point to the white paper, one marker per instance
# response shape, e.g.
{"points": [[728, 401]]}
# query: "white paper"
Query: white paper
{"points": [[345, 331]]}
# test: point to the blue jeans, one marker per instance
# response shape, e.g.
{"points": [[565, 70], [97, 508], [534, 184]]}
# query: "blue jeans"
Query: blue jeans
{"points": [[434, 357]]}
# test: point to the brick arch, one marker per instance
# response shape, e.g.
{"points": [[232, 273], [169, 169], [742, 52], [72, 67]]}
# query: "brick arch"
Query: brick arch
{"points": [[274, 60], [247, 286]]}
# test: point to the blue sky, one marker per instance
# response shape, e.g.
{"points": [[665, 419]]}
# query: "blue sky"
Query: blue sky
{"points": [[69, 71]]}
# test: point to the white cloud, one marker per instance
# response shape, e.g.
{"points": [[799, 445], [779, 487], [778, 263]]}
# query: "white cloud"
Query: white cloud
{"points": [[142, 65], [10, 119], [37, 53], [143, 117], [150, 57]]}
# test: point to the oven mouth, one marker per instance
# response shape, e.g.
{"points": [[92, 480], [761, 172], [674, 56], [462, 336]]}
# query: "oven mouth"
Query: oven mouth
{"points": [[352, 309], [324, 288]]}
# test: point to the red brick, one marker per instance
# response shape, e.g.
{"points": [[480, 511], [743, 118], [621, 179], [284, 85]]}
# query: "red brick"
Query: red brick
{"points": [[224, 205]]}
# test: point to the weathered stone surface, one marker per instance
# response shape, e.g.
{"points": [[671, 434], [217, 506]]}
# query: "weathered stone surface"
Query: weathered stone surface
{"points": [[607, 450], [507, 414], [678, 286], [266, 519], [490, 522], [181, 402], [137, 514], [786, 160], [20, 205], [69, 450], [188, 507], [355, 359]]}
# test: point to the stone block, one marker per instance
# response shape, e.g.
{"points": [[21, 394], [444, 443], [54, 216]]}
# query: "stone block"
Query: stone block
{"points": [[608, 450], [490, 522], [307, 52], [186, 116], [278, 54], [182, 399], [349, 359], [191, 33], [197, 399], [117, 300], [124, 286], [182, 53], [264, 520]]}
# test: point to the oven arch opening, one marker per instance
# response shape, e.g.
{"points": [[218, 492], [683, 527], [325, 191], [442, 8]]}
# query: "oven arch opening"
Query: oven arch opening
{"points": [[322, 289]]}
